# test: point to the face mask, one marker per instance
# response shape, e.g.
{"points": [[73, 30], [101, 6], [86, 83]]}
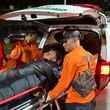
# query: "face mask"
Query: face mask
{"points": [[6, 40]]}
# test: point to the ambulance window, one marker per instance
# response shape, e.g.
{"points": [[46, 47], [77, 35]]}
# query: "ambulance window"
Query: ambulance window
{"points": [[91, 42]]}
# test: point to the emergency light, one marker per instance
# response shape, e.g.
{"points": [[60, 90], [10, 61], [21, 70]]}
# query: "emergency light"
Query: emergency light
{"points": [[105, 69]]}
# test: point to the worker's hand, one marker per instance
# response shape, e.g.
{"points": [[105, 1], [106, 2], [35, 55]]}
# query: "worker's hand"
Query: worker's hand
{"points": [[48, 99]]}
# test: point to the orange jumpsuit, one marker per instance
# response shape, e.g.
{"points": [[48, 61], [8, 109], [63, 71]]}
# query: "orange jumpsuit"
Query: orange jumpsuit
{"points": [[74, 63], [22, 53]]}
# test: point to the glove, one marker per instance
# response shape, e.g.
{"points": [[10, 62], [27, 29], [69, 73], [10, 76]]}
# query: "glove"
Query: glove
{"points": [[48, 99]]}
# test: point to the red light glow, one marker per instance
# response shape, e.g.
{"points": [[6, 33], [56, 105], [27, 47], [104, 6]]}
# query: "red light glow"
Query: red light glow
{"points": [[105, 70]]}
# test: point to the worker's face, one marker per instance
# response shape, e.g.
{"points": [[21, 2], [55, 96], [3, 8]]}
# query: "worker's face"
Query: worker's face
{"points": [[50, 55], [31, 38], [69, 44]]}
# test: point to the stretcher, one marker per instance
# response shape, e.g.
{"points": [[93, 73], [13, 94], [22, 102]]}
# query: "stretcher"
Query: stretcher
{"points": [[26, 101]]}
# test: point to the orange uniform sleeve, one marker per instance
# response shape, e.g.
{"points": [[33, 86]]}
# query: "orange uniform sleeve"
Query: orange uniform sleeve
{"points": [[16, 52], [68, 72], [10, 64]]}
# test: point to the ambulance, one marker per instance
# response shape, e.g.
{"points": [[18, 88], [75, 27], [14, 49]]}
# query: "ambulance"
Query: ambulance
{"points": [[51, 20]]}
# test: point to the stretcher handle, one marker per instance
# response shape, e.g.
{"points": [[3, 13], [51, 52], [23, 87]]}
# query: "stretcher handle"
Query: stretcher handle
{"points": [[20, 94]]}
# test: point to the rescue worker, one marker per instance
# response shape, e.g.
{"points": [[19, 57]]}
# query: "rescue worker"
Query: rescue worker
{"points": [[23, 52], [74, 63]]}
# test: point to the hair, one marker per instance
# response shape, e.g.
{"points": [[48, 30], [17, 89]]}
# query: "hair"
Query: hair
{"points": [[71, 33], [31, 33], [59, 49]]}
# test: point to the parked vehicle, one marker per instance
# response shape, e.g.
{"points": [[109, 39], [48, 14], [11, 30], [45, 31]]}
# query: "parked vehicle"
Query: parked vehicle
{"points": [[51, 20]]}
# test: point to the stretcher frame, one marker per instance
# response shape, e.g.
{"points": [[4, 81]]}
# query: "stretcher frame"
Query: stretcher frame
{"points": [[40, 105]]}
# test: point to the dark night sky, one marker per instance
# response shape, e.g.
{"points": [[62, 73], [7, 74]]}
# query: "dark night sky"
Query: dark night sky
{"points": [[24, 3], [20, 4]]}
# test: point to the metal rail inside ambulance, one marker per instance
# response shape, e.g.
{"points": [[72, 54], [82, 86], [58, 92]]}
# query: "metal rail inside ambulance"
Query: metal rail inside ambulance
{"points": [[52, 19]]}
